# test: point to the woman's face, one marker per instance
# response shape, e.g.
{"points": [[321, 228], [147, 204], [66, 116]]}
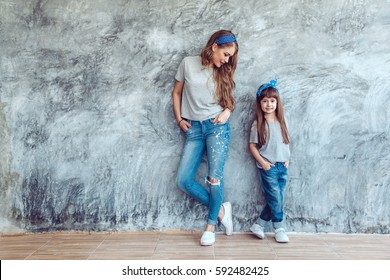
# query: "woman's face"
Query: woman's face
{"points": [[222, 54]]}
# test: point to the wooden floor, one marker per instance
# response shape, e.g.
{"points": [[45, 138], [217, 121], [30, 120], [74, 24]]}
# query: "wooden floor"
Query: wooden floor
{"points": [[185, 245]]}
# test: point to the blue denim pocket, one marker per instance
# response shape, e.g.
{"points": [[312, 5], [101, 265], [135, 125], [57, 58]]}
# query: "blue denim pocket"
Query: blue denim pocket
{"points": [[213, 123], [187, 132]]}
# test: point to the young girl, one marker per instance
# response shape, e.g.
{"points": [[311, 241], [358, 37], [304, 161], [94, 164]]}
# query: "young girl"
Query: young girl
{"points": [[269, 145], [202, 102]]}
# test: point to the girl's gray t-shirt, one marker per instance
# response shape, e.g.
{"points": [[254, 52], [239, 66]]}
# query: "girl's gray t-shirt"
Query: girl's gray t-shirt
{"points": [[198, 101], [274, 150]]}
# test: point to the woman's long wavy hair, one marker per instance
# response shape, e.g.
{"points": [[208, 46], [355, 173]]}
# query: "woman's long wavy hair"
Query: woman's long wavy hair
{"points": [[261, 121], [224, 75]]}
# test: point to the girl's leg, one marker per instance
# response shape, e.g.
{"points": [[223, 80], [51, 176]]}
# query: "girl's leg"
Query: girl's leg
{"points": [[279, 224], [217, 142], [273, 196], [282, 180], [273, 183], [189, 163], [266, 214]]}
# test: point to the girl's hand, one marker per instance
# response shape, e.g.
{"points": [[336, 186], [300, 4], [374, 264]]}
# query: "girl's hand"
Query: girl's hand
{"points": [[222, 117], [267, 166], [184, 125], [286, 164]]}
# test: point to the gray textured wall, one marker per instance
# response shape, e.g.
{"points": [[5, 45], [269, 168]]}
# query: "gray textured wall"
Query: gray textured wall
{"points": [[87, 134]]}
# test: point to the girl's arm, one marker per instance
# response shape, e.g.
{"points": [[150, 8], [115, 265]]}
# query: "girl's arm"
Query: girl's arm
{"points": [[255, 153], [176, 97]]}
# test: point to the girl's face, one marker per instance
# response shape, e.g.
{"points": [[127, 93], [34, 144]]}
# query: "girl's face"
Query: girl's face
{"points": [[268, 105], [221, 55]]}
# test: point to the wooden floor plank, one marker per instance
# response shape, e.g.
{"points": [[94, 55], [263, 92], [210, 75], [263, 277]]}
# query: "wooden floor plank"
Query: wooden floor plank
{"points": [[185, 246]]}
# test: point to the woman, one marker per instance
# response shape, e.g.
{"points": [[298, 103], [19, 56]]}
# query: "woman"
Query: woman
{"points": [[202, 102]]}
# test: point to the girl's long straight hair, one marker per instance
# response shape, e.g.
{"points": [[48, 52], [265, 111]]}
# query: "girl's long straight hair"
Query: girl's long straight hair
{"points": [[261, 121], [224, 75]]}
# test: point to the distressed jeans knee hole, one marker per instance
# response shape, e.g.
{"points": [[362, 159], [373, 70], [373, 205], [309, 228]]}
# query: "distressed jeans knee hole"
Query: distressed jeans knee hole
{"points": [[212, 181]]}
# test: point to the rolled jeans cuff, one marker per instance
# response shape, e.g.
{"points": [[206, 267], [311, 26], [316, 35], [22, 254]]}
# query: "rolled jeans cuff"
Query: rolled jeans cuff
{"points": [[277, 225]]}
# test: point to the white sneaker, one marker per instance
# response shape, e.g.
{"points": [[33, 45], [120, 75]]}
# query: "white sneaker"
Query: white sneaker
{"points": [[257, 230], [208, 238], [227, 220], [281, 236]]}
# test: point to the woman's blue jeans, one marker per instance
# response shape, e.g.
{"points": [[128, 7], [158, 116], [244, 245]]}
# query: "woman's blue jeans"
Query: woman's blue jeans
{"points": [[273, 182], [215, 139]]}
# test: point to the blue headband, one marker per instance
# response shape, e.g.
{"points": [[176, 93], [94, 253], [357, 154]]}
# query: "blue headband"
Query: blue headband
{"points": [[271, 84], [225, 39]]}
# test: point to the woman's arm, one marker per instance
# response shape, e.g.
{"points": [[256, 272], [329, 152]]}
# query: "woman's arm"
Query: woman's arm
{"points": [[176, 97], [255, 153]]}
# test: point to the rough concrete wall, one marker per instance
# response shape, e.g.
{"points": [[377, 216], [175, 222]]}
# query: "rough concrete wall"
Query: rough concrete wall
{"points": [[88, 138]]}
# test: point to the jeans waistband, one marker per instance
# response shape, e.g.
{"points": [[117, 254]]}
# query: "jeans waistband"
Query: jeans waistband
{"points": [[206, 120]]}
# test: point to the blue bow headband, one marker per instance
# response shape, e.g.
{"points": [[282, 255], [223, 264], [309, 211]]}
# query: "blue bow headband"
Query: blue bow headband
{"points": [[225, 39], [271, 84]]}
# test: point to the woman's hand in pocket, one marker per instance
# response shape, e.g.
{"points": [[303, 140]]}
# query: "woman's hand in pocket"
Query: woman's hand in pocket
{"points": [[222, 117]]}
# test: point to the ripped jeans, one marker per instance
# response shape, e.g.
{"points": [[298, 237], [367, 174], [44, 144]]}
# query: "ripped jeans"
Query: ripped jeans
{"points": [[215, 138]]}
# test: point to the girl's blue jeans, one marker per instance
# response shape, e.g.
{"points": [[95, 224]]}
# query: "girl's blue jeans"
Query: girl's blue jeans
{"points": [[214, 139], [273, 182]]}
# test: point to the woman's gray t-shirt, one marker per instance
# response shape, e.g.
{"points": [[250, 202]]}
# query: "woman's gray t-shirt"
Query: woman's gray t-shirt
{"points": [[198, 101], [274, 149]]}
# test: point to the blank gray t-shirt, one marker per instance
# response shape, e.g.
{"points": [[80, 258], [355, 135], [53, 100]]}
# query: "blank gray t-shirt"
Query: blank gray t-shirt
{"points": [[198, 101], [274, 149]]}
